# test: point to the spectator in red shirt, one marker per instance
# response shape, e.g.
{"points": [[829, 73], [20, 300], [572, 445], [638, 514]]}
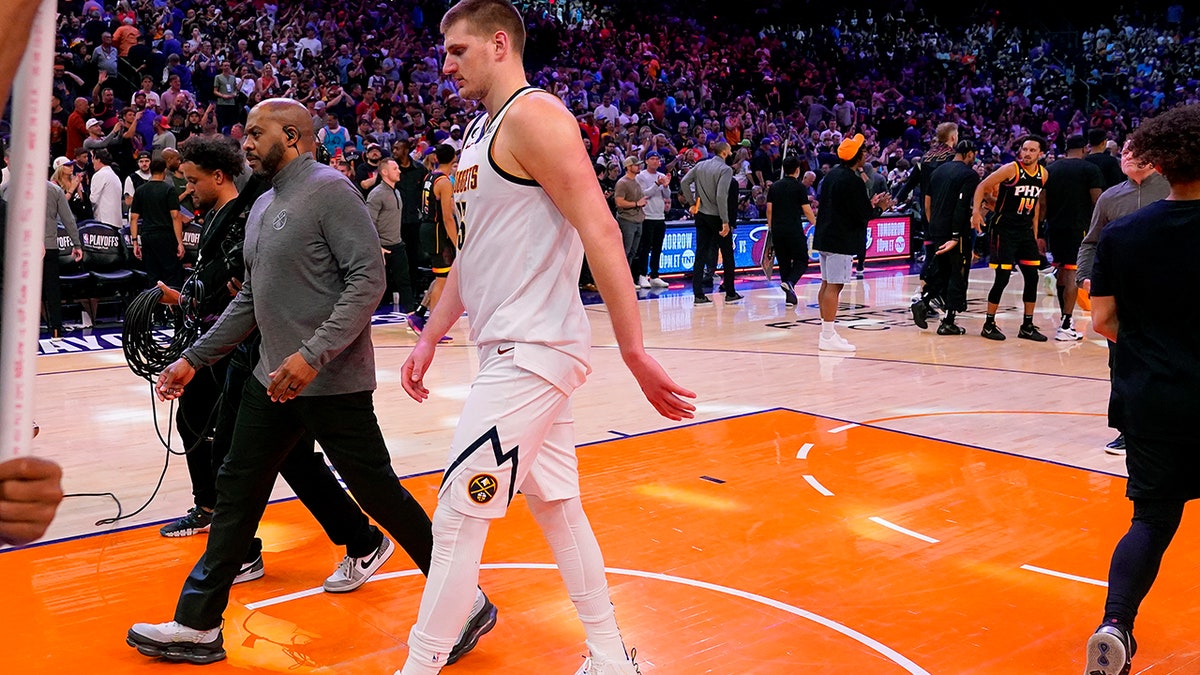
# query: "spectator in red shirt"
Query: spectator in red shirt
{"points": [[77, 126]]}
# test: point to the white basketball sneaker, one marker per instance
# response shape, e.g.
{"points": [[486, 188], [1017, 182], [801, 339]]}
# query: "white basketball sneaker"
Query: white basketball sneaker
{"points": [[835, 344], [594, 666]]}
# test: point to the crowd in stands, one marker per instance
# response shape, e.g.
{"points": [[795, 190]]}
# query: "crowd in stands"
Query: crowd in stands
{"points": [[143, 75]]}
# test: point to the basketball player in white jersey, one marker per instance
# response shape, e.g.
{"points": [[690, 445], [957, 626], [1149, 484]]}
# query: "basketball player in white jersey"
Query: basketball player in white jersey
{"points": [[528, 207]]}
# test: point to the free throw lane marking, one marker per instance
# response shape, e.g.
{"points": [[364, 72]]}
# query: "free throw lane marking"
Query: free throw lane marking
{"points": [[902, 530], [1064, 575], [844, 427], [871, 643], [816, 485], [804, 450]]}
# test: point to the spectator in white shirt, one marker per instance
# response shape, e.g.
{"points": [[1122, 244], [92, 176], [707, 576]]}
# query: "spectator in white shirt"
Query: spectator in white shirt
{"points": [[106, 190]]}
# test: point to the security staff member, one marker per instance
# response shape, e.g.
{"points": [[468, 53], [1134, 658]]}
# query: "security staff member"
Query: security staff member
{"points": [[951, 189]]}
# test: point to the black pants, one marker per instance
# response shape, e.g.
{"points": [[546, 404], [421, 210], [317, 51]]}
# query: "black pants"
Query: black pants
{"points": [[708, 229], [724, 245], [1138, 555], [650, 248], [946, 275], [159, 251], [265, 435], [207, 414], [51, 297], [227, 116], [398, 281], [791, 250], [410, 235]]}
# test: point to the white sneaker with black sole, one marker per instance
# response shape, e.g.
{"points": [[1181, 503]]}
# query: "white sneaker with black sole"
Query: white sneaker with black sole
{"points": [[175, 642], [354, 572], [1067, 335]]}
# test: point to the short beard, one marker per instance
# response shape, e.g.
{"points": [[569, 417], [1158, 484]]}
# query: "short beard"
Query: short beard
{"points": [[268, 164]]}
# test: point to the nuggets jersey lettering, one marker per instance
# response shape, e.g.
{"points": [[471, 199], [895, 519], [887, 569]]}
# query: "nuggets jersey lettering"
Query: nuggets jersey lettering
{"points": [[1017, 198], [518, 261]]}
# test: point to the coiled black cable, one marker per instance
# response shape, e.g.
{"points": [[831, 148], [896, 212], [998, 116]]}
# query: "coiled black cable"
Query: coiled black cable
{"points": [[148, 352]]}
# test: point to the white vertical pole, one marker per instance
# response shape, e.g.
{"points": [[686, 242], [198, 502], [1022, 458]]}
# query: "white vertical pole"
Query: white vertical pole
{"points": [[25, 235]]}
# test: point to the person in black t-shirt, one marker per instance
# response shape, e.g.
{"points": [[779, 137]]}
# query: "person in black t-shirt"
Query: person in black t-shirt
{"points": [[1109, 166], [1156, 371], [787, 209], [951, 188], [1072, 187], [412, 177], [156, 227]]}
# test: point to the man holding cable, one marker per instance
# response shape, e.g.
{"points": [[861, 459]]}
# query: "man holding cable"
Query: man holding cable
{"points": [[313, 277]]}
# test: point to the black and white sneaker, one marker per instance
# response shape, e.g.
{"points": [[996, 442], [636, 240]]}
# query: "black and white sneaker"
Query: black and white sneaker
{"points": [[1030, 332], [1116, 446], [354, 572], [1110, 651], [196, 521], [250, 571], [702, 300], [732, 296], [481, 622], [951, 328], [920, 314], [789, 294], [175, 642], [991, 332]]}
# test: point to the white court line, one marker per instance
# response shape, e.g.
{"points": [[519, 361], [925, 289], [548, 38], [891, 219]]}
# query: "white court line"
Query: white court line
{"points": [[1064, 575], [803, 454], [840, 429], [902, 530], [887, 652], [812, 480]]}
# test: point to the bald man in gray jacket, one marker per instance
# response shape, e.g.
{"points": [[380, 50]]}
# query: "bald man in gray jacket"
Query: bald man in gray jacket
{"points": [[708, 182]]}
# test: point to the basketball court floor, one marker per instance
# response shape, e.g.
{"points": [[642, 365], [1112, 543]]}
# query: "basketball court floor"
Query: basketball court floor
{"points": [[930, 504]]}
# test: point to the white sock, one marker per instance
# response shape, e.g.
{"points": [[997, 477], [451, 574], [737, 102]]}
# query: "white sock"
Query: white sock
{"points": [[582, 568], [451, 591], [827, 329]]}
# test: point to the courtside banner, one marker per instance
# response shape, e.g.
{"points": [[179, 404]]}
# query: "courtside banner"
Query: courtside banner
{"points": [[889, 237]]}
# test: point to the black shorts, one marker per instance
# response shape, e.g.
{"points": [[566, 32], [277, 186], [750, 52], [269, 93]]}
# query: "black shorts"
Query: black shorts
{"points": [[438, 247], [1162, 469], [1063, 245], [1013, 245]]}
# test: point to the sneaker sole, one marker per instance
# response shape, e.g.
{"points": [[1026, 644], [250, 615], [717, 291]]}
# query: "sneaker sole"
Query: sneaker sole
{"points": [[1106, 655], [1116, 452], [177, 652], [1037, 337], [366, 577], [839, 350], [185, 533], [473, 634]]}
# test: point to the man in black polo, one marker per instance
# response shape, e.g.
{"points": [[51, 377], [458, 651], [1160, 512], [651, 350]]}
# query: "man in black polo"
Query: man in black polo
{"points": [[947, 265], [1156, 372], [1072, 187], [787, 209], [156, 227]]}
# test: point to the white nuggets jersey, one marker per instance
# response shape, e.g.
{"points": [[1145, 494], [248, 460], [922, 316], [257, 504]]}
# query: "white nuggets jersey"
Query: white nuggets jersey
{"points": [[518, 262]]}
